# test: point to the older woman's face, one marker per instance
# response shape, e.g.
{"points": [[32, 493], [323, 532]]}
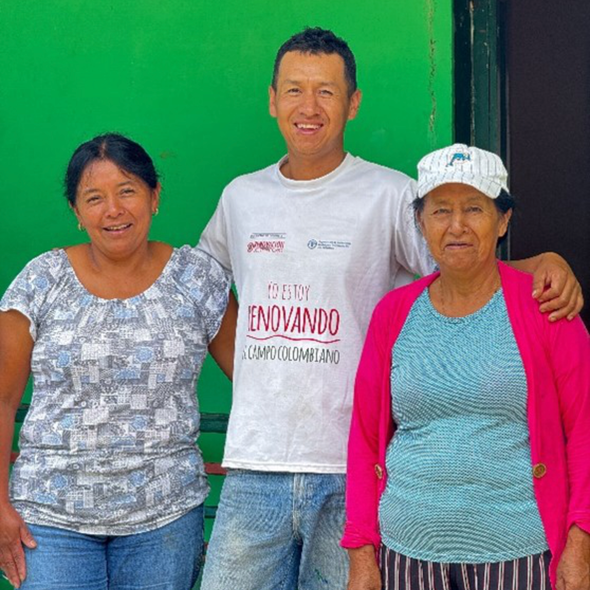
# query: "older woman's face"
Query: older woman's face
{"points": [[115, 207], [462, 226]]}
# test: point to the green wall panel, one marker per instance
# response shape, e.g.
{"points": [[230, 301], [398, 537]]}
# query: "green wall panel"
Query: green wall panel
{"points": [[188, 79]]}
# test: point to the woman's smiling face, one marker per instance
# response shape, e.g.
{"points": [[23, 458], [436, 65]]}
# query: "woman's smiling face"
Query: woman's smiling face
{"points": [[462, 226], [115, 207]]}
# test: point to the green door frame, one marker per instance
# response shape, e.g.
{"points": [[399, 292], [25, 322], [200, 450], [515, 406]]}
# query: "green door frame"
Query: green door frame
{"points": [[480, 79]]}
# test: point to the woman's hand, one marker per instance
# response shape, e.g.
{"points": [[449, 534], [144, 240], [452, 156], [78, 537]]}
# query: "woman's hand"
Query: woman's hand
{"points": [[364, 572], [13, 534], [573, 570]]}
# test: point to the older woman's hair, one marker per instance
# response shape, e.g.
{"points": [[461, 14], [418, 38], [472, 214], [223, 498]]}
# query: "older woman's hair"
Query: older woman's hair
{"points": [[118, 149]]}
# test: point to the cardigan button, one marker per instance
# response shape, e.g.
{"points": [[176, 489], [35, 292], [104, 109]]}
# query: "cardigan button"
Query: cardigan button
{"points": [[378, 471], [539, 470]]}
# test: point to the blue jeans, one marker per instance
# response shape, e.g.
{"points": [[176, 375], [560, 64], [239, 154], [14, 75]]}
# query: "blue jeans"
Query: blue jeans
{"points": [[168, 558], [278, 531]]}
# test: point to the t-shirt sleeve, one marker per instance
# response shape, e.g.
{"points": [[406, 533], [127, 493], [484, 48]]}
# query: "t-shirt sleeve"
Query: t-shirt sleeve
{"points": [[27, 293], [409, 247], [215, 237], [209, 285]]}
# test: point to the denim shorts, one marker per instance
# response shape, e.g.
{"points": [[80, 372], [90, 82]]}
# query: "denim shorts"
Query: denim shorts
{"points": [[167, 558], [278, 531]]}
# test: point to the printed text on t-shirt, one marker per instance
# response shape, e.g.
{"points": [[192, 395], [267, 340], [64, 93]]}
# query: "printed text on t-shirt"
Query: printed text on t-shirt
{"points": [[286, 315]]}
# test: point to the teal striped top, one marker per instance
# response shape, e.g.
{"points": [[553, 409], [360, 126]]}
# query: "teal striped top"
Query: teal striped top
{"points": [[460, 477]]}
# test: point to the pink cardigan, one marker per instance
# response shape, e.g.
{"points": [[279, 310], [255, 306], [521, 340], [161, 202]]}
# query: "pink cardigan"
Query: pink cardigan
{"points": [[556, 358]]}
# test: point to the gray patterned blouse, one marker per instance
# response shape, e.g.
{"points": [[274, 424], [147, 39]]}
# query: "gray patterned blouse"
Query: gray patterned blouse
{"points": [[108, 445]]}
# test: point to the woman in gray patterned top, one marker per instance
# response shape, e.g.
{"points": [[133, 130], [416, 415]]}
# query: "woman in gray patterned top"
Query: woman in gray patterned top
{"points": [[109, 480]]}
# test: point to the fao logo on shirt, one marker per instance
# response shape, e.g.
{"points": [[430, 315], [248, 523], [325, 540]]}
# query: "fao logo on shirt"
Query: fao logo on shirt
{"points": [[323, 245]]}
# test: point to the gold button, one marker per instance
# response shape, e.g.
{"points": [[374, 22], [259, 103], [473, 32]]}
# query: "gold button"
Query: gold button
{"points": [[539, 470], [379, 471]]}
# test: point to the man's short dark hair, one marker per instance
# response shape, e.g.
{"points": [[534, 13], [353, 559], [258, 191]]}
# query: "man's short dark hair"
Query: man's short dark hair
{"points": [[318, 41]]}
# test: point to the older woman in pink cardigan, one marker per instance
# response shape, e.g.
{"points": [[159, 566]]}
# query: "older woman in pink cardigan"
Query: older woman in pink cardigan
{"points": [[469, 451]]}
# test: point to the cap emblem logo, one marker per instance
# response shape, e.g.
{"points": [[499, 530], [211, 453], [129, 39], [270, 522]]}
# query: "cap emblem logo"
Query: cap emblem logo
{"points": [[459, 157]]}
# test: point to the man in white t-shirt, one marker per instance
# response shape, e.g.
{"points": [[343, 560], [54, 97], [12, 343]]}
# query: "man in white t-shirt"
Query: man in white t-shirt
{"points": [[313, 242]]}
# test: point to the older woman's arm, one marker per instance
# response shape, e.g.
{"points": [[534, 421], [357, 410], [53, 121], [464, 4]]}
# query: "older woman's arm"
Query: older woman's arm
{"points": [[364, 571], [16, 345], [361, 533], [573, 571], [569, 347], [555, 286], [222, 347], [362, 495]]}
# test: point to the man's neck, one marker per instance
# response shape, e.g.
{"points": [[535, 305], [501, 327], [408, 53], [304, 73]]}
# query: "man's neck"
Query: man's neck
{"points": [[297, 168]]}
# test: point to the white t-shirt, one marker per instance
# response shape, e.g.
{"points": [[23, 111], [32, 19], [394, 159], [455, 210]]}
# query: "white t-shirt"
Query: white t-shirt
{"points": [[310, 260]]}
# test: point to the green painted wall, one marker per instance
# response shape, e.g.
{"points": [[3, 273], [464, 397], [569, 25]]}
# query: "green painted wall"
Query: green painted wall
{"points": [[188, 79]]}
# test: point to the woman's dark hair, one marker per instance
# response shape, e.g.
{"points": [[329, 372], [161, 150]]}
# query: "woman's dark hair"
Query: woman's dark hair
{"points": [[504, 202], [120, 150], [317, 41]]}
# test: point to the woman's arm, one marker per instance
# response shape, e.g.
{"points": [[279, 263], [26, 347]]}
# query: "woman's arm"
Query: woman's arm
{"points": [[16, 346], [364, 571], [222, 347], [570, 359], [569, 354], [362, 481], [573, 571]]}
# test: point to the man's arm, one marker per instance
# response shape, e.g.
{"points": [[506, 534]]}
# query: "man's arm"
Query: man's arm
{"points": [[222, 347], [555, 286]]}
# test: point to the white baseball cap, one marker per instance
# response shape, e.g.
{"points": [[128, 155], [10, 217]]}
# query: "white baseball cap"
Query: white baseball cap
{"points": [[463, 164]]}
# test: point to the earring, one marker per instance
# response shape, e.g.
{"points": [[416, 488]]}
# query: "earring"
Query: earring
{"points": [[155, 212], [80, 227]]}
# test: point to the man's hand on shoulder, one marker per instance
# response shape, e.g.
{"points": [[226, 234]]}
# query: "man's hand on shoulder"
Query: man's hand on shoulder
{"points": [[555, 286]]}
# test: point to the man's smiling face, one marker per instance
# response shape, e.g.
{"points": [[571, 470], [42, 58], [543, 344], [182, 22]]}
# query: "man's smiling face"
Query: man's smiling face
{"points": [[312, 104]]}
